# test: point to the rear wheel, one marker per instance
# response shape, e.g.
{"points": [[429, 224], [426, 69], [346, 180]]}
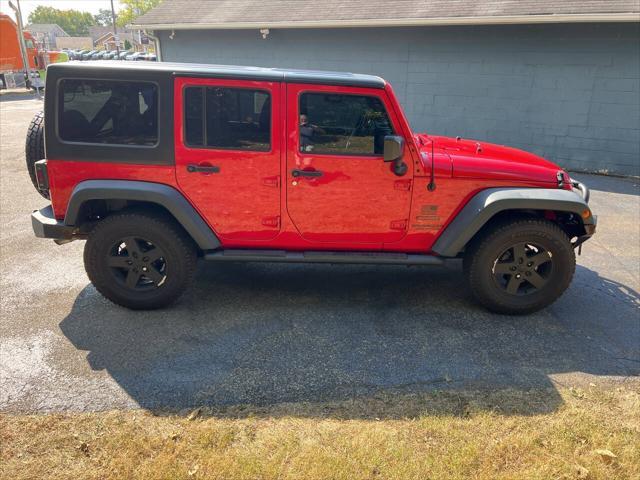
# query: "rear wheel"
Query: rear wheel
{"points": [[139, 260], [520, 267], [34, 147]]}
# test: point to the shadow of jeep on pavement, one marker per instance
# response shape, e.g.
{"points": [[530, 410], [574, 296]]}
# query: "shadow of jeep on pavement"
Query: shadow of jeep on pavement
{"points": [[275, 335]]}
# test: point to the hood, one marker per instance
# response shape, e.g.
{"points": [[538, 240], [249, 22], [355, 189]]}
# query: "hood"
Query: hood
{"points": [[482, 160]]}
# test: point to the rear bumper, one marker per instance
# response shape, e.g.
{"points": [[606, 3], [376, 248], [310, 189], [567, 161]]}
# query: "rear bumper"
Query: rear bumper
{"points": [[45, 225]]}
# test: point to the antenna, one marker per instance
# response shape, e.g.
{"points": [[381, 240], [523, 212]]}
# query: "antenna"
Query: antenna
{"points": [[432, 183]]}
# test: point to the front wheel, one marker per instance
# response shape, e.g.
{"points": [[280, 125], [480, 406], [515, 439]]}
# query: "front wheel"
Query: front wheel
{"points": [[520, 267], [139, 260]]}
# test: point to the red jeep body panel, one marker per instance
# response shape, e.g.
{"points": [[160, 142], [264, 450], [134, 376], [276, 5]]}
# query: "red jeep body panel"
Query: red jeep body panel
{"points": [[64, 175], [242, 201], [159, 165], [358, 204], [359, 200]]}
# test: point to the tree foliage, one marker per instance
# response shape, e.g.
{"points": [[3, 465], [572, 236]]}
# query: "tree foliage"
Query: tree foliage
{"points": [[74, 22], [103, 18], [132, 9]]}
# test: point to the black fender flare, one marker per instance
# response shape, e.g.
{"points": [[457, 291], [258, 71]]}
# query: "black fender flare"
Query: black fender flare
{"points": [[160, 194], [486, 204]]}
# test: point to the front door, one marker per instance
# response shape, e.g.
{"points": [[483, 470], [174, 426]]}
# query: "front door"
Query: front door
{"points": [[228, 155], [339, 190]]}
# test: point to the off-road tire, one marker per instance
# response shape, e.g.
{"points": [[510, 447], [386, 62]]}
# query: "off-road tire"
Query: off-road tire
{"points": [[180, 255], [483, 254], [34, 147]]}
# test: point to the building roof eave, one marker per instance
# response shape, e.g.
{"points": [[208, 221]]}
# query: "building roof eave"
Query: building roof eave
{"points": [[404, 22]]}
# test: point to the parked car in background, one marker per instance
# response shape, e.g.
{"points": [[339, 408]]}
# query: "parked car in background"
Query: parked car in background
{"points": [[123, 55], [146, 57], [88, 55], [78, 54], [134, 56]]}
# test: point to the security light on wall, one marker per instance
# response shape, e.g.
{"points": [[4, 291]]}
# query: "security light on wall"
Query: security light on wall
{"points": [[173, 35], [264, 32]]}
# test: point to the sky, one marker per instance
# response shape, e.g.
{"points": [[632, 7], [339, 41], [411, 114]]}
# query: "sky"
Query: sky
{"points": [[28, 6]]}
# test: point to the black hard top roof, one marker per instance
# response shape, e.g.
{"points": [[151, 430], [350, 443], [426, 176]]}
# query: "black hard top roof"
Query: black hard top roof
{"points": [[219, 71]]}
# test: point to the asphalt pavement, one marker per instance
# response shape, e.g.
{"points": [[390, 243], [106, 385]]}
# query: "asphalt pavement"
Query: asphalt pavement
{"points": [[266, 334]]}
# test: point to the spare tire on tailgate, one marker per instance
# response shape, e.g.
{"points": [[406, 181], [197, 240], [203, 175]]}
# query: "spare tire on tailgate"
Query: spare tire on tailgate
{"points": [[34, 147]]}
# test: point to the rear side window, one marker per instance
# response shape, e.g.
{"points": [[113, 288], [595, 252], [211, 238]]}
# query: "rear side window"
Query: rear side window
{"points": [[227, 118], [108, 112], [342, 124]]}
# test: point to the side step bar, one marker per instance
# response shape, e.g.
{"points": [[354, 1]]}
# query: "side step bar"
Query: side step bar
{"points": [[283, 256]]}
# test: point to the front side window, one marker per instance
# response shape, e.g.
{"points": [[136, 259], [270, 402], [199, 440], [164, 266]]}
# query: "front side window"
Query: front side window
{"points": [[342, 124], [108, 112], [227, 118]]}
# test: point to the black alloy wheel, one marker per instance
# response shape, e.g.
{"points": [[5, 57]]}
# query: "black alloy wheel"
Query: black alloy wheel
{"points": [[523, 269], [519, 266], [140, 259], [138, 264]]}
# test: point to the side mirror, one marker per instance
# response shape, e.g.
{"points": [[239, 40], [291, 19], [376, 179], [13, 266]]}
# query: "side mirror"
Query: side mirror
{"points": [[393, 148], [393, 152]]}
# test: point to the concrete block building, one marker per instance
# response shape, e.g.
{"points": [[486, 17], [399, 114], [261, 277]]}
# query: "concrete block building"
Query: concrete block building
{"points": [[561, 79]]}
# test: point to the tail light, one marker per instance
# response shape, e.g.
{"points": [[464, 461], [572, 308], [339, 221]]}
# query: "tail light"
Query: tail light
{"points": [[42, 176]]}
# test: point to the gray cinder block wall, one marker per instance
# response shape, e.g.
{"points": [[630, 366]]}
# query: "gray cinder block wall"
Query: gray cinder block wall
{"points": [[570, 93]]}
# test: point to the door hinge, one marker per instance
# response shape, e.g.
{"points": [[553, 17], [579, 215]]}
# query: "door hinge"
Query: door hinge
{"points": [[271, 181], [404, 185], [271, 222], [398, 224]]}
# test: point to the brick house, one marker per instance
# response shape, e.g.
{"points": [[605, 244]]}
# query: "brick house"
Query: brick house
{"points": [[104, 39], [561, 79]]}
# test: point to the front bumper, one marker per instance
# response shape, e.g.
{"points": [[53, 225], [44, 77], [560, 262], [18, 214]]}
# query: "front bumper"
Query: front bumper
{"points": [[45, 225], [589, 230], [583, 189], [590, 223]]}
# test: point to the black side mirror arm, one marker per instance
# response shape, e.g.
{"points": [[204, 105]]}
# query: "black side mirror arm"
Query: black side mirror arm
{"points": [[400, 168]]}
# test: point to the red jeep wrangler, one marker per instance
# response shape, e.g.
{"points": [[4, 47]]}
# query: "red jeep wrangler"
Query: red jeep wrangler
{"points": [[157, 165]]}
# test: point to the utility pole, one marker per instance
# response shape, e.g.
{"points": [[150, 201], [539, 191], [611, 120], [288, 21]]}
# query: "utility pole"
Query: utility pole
{"points": [[115, 30], [23, 46]]}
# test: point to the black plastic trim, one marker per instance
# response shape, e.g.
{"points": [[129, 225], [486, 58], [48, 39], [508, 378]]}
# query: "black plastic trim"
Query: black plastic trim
{"points": [[57, 149], [163, 75], [333, 78], [202, 70], [45, 225], [283, 256], [487, 203], [163, 195]]}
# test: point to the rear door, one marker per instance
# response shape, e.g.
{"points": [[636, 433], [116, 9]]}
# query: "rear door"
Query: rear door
{"points": [[228, 154], [339, 189]]}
